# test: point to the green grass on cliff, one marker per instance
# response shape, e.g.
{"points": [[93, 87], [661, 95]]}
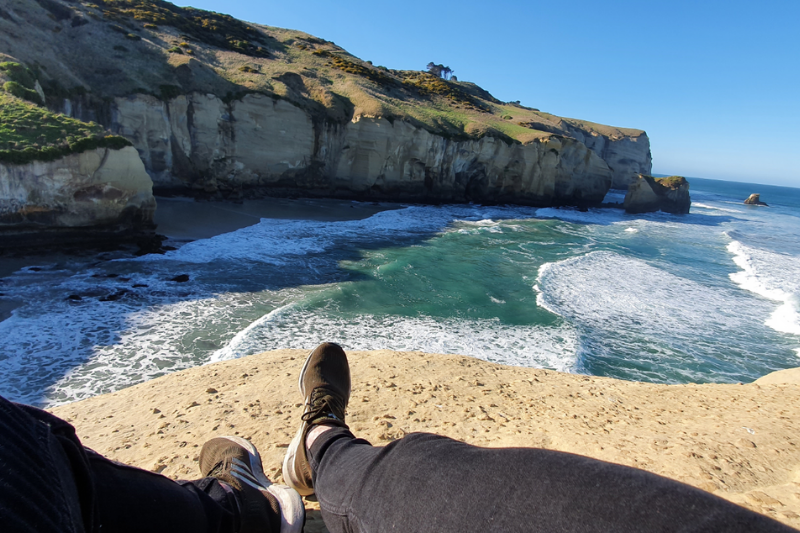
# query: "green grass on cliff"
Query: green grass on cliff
{"points": [[671, 182], [32, 133], [215, 29]]}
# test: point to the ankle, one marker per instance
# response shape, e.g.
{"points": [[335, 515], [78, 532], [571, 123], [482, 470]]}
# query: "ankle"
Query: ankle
{"points": [[315, 432]]}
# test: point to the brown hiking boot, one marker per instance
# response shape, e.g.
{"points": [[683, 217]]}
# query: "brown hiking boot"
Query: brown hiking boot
{"points": [[325, 385], [263, 506]]}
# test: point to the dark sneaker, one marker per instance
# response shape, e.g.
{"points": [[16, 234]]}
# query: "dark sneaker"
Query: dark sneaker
{"points": [[325, 385], [263, 506]]}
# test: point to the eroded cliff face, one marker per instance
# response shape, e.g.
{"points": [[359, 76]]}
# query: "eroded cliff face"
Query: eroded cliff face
{"points": [[102, 189], [626, 157], [198, 142]]}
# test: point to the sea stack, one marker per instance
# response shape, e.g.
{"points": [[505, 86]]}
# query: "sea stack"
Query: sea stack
{"points": [[648, 194], [754, 199]]}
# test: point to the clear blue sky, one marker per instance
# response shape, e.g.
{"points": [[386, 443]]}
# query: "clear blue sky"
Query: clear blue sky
{"points": [[716, 84]]}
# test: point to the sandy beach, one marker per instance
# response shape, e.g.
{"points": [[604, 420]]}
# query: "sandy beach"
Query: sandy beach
{"points": [[739, 442], [185, 219]]}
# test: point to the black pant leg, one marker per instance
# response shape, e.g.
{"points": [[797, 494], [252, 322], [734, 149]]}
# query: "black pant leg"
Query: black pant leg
{"points": [[44, 480], [130, 499], [429, 483], [50, 483]]}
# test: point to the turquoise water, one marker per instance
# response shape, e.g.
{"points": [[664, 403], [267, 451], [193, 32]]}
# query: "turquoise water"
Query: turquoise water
{"points": [[707, 297]]}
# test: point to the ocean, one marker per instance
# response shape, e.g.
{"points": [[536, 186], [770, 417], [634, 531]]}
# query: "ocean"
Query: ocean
{"points": [[713, 296]]}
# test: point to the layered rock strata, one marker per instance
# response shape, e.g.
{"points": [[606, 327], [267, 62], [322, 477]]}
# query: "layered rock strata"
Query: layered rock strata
{"points": [[627, 155], [648, 194], [198, 142], [100, 193]]}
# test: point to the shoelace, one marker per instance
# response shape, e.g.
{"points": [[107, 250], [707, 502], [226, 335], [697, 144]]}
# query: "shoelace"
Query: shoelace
{"points": [[324, 405]]}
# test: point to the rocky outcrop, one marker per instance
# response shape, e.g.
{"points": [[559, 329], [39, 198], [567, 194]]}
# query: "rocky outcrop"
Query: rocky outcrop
{"points": [[198, 142], [754, 199], [100, 193], [648, 194]]}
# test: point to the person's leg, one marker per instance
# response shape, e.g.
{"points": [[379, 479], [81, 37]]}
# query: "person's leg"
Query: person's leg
{"points": [[50, 482], [44, 480], [426, 482]]}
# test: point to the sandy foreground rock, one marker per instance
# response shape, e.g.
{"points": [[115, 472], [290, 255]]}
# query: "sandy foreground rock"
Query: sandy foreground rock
{"points": [[741, 442]]}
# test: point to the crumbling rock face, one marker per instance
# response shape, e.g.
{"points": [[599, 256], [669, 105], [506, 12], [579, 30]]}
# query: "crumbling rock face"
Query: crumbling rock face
{"points": [[197, 142]]}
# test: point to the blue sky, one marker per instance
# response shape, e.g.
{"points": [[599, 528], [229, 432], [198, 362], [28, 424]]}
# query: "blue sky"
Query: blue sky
{"points": [[715, 84]]}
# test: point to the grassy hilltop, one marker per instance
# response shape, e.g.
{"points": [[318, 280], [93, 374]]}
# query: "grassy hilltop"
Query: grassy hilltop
{"points": [[91, 51]]}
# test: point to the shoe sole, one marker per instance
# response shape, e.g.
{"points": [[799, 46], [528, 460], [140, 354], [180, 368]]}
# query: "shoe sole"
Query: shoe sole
{"points": [[303, 373], [288, 465], [291, 452], [293, 512]]}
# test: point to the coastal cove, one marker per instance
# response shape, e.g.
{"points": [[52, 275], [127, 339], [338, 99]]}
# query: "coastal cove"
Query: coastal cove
{"points": [[704, 297]]}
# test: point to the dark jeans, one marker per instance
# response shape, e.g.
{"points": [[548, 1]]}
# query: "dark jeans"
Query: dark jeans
{"points": [[50, 483], [425, 482]]}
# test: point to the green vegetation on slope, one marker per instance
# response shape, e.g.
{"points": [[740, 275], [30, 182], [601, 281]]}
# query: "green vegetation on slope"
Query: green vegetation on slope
{"points": [[215, 29], [671, 182], [31, 133], [21, 82]]}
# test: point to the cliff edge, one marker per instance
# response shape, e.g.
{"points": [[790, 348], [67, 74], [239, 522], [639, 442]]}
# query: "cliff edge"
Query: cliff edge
{"points": [[738, 441]]}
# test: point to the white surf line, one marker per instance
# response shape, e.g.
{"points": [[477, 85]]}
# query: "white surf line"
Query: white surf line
{"points": [[227, 352], [786, 318]]}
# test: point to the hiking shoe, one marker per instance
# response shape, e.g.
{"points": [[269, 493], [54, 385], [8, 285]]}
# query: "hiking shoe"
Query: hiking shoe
{"points": [[325, 386], [263, 506]]}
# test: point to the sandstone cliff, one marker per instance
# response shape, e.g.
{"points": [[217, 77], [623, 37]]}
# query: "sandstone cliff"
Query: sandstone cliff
{"points": [[79, 197], [200, 143], [250, 109], [648, 194]]}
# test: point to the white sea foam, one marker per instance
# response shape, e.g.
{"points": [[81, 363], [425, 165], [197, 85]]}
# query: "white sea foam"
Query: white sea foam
{"points": [[775, 277], [715, 207], [634, 310], [490, 340], [277, 242], [77, 349]]}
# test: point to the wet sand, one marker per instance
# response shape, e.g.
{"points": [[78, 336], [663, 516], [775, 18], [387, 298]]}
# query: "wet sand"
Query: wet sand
{"points": [[184, 219]]}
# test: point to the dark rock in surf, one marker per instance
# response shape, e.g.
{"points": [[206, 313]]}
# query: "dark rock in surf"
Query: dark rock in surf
{"points": [[755, 199]]}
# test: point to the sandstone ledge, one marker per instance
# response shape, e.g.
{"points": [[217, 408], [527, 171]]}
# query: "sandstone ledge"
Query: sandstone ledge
{"points": [[99, 195], [738, 441]]}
